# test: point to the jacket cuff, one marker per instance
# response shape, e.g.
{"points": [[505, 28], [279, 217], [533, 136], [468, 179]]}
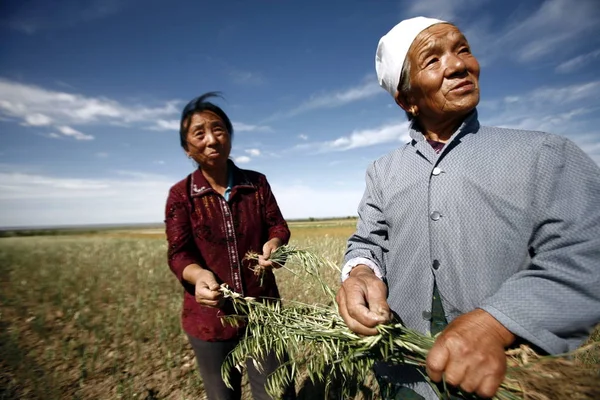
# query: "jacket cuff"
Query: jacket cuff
{"points": [[358, 261]]}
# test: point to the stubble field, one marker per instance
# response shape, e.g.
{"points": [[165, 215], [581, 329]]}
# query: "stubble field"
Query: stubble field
{"points": [[97, 316]]}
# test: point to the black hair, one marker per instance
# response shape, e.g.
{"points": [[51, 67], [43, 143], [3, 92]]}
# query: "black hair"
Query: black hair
{"points": [[198, 105], [404, 84]]}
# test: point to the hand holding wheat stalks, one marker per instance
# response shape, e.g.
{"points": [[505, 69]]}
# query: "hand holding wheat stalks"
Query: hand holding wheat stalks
{"points": [[320, 344]]}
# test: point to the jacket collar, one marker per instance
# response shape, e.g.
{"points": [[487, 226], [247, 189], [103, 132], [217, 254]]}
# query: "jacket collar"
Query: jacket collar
{"points": [[469, 125], [199, 186]]}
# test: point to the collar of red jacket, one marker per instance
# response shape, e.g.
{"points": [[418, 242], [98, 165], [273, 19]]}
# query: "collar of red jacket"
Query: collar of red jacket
{"points": [[199, 186]]}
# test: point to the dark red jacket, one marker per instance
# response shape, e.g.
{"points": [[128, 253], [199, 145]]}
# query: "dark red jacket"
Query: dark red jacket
{"points": [[205, 229]]}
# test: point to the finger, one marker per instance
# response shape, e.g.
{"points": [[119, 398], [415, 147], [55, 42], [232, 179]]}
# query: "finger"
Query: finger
{"points": [[265, 263], [209, 303], [207, 294], [211, 284], [354, 325], [471, 380], [378, 304], [455, 373], [366, 306], [436, 361], [267, 250], [488, 386]]}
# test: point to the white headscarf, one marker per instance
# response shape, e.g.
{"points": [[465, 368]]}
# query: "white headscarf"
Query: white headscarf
{"points": [[393, 49]]}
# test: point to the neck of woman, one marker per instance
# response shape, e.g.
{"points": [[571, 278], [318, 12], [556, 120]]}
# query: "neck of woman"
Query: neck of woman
{"points": [[216, 176], [440, 130]]}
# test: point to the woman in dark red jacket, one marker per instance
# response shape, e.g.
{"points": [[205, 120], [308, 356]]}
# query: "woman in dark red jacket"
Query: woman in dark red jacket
{"points": [[213, 218]]}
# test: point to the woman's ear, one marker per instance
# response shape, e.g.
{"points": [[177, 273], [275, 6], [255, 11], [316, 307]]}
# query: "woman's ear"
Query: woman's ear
{"points": [[402, 101]]}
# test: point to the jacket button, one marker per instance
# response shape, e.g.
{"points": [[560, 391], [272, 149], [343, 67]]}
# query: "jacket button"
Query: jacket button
{"points": [[436, 264], [435, 215]]}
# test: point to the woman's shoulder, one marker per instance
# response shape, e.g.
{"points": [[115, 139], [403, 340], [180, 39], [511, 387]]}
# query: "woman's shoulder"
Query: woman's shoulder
{"points": [[181, 187], [250, 177]]}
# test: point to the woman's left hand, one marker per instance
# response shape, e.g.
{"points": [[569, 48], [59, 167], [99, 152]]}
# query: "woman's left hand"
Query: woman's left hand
{"points": [[469, 353], [268, 248]]}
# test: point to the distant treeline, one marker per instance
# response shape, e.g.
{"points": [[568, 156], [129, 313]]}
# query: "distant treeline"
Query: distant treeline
{"points": [[45, 232]]}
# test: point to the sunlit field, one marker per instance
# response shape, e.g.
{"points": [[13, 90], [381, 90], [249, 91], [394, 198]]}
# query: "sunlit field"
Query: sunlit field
{"points": [[97, 315]]}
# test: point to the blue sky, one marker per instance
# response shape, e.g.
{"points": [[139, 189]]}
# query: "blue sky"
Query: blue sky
{"points": [[91, 92]]}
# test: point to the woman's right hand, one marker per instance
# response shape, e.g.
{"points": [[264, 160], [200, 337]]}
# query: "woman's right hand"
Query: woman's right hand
{"points": [[362, 301], [206, 286]]}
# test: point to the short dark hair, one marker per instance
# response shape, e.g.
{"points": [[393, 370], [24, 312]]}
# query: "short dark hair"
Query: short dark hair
{"points": [[404, 84], [198, 105]]}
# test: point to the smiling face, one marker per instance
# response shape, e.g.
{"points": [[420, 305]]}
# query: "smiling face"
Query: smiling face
{"points": [[208, 141], [444, 75]]}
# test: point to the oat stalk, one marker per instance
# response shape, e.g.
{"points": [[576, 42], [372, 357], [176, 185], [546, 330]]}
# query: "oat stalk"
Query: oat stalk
{"points": [[316, 341]]}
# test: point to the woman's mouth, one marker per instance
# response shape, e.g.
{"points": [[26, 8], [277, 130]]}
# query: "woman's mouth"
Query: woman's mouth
{"points": [[465, 86]]}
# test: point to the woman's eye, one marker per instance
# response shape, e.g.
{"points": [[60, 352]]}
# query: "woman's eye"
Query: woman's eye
{"points": [[431, 61], [465, 50]]}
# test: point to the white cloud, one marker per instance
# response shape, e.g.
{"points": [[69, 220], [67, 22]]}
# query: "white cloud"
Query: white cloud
{"points": [[397, 132], [37, 120], [441, 9], [37, 106], [366, 89], [165, 125], [301, 201], [253, 152], [569, 110], [68, 131], [242, 159], [33, 199], [303, 137], [550, 31], [246, 77], [101, 154], [136, 197], [577, 62], [173, 125], [44, 16], [241, 127]]}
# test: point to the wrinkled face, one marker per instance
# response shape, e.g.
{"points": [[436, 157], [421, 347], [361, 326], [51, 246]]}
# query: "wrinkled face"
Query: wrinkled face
{"points": [[208, 141], [444, 75]]}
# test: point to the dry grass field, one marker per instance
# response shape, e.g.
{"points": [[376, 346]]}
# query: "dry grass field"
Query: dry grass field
{"points": [[96, 316]]}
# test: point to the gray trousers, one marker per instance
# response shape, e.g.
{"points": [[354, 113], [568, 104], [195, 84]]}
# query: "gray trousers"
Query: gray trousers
{"points": [[210, 357]]}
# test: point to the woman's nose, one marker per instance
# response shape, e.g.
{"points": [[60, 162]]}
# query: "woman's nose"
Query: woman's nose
{"points": [[211, 138], [455, 65]]}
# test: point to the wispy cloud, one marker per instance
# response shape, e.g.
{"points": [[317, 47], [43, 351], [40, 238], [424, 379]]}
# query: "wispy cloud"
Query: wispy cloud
{"points": [[389, 133], [246, 77], [242, 127], [68, 131], [441, 9], [550, 31], [173, 125], [123, 198], [39, 107], [366, 89], [577, 62], [43, 16], [165, 125], [242, 159], [569, 110], [253, 152], [303, 137]]}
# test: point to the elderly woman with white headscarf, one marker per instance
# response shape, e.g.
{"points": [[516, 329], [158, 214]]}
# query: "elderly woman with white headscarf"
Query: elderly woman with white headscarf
{"points": [[496, 231]]}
